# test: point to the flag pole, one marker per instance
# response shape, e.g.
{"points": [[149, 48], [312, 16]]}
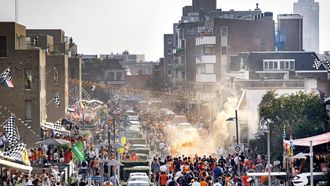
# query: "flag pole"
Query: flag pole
{"points": [[4, 122], [16, 10], [49, 102]]}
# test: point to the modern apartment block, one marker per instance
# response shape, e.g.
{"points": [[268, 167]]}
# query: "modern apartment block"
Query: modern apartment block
{"points": [[234, 36], [309, 9], [168, 59], [27, 100], [290, 31], [206, 87]]}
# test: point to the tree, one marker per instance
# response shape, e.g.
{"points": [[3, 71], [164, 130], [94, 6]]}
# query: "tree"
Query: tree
{"points": [[305, 115]]}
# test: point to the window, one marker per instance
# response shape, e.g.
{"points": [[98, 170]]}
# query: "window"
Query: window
{"points": [[169, 51], [28, 79], [275, 65], [266, 65], [271, 65], [169, 40], [169, 72], [3, 46], [281, 64], [73, 73], [28, 109], [224, 50], [207, 50], [112, 76], [224, 31], [292, 67], [286, 64], [119, 76], [55, 71]]}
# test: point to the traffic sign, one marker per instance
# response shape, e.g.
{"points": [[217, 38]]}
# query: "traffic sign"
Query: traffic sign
{"points": [[238, 148]]}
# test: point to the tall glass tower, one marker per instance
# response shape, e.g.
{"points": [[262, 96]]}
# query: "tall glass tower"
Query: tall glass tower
{"points": [[309, 9]]}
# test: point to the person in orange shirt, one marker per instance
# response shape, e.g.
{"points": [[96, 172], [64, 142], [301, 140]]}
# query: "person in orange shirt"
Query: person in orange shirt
{"points": [[263, 179], [203, 182], [170, 165]]}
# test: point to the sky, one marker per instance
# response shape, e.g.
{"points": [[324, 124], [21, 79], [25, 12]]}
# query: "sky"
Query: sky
{"points": [[105, 26]]}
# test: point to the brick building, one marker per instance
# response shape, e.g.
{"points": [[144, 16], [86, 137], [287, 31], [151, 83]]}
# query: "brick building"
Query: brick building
{"points": [[63, 55], [27, 99]]}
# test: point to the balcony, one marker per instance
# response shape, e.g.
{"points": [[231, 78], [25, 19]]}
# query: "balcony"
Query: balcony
{"points": [[205, 40], [206, 59], [206, 78]]}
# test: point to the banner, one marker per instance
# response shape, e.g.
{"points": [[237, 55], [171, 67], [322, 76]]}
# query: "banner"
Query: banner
{"points": [[78, 151]]}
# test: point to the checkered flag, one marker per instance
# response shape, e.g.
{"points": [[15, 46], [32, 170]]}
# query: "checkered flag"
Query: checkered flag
{"points": [[317, 64], [15, 151], [58, 124], [7, 74], [57, 100], [327, 66], [10, 130]]}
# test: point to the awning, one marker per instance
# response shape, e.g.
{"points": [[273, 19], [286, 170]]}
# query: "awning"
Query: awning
{"points": [[316, 140], [300, 155], [53, 141], [49, 125], [15, 165]]}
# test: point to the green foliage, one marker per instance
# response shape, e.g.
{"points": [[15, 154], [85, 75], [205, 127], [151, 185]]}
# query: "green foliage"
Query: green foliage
{"points": [[267, 99], [304, 114]]}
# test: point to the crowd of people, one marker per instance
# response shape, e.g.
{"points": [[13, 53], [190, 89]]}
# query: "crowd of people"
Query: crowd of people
{"points": [[208, 171]]}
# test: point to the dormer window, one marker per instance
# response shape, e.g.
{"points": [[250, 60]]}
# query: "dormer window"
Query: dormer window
{"points": [[279, 64]]}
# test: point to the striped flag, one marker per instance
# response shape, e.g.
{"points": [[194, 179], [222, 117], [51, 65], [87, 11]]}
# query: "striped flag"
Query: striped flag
{"points": [[291, 142]]}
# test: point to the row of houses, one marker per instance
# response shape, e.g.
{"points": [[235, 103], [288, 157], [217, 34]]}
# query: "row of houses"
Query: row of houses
{"points": [[45, 65], [43, 62]]}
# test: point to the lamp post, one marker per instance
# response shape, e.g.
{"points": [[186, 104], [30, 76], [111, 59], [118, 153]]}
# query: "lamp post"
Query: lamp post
{"points": [[237, 139], [265, 128]]}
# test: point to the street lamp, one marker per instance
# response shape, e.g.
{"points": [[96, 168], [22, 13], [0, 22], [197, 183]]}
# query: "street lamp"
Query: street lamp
{"points": [[265, 128], [236, 119], [237, 139]]}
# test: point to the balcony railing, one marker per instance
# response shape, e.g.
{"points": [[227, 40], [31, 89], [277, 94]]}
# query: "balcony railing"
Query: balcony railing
{"points": [[205, 40], [206, 59]]}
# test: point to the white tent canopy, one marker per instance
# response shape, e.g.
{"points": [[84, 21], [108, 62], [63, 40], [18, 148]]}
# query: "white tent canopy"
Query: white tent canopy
{"points": [[317, 140]]}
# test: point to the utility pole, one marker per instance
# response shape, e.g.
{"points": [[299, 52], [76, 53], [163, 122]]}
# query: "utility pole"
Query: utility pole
{"points": [[102, 165], [237, 142], [109, 149]]}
